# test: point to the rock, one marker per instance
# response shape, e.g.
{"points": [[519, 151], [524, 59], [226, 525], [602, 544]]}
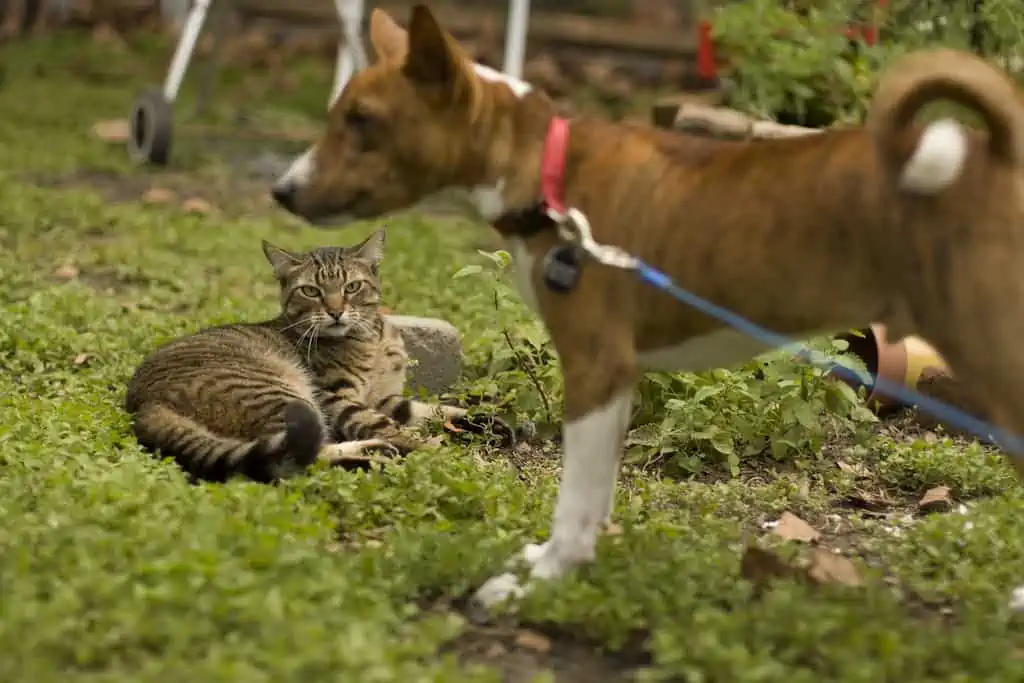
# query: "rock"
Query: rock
{"points": [[436, 346]]}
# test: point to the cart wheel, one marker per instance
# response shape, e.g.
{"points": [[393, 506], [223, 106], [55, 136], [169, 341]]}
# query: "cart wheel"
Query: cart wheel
{"points": [[151, 124]]}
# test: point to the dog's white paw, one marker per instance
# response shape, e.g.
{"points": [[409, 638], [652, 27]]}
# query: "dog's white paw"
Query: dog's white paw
{"points": [[1017, 599], [532, 552], [505, 586], [545, 561], [498, 589]]}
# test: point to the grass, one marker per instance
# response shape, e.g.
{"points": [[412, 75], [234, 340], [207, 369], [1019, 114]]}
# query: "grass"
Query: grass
{"points": [[113, 568]]}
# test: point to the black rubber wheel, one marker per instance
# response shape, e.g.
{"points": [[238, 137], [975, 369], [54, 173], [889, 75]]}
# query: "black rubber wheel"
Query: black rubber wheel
{"points": [[151, 124]]}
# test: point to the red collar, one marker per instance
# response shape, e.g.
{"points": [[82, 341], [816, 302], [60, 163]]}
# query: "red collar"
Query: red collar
{"points": [[552, 165]]}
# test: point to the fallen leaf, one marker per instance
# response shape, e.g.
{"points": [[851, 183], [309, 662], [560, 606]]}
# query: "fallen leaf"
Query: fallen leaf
{"points": [[449, 427], [866, 500], [531, 640], [792, 528], [855, 469], [81, 359], [67, 271], [828, 567], [936, 500], [158, 195], [611, 529], [197, 205], [495, 650], [112, 130]]}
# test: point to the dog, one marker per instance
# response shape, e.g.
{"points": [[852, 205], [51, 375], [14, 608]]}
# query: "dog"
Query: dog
{"points": [[918, 227]]}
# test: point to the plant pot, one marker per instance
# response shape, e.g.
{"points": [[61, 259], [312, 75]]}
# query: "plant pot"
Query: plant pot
{"points": [[901, 363]]}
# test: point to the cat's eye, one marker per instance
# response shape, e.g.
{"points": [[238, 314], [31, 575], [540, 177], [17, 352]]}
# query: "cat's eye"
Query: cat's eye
{"points": [[353, 287], [310, 291]]}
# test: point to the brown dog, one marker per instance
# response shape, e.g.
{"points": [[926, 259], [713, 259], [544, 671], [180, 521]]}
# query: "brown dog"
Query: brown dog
{"points": [[893, 223]]}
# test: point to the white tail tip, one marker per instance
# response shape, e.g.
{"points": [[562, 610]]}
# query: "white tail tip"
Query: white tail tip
{"points": [[938, 159]]}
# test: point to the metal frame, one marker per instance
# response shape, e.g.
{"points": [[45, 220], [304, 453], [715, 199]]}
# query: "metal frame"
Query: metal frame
{"points": [[351, 57]]}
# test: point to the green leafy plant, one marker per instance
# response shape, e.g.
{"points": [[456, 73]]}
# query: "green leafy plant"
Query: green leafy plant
{"points": [[794, 65], [775, 406], [519, 365]]}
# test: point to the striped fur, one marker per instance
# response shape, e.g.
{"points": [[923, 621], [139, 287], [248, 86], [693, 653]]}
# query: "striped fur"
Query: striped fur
{"points": [[265, 400]]}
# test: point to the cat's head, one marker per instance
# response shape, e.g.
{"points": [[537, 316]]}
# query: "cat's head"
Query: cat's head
{"points": [[330, 292]]}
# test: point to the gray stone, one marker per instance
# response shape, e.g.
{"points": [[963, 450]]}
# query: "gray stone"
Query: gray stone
{"points": [[436, 348]]}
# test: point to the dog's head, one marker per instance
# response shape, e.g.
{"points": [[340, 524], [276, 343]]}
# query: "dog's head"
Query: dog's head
{"points": [[420, 119]]}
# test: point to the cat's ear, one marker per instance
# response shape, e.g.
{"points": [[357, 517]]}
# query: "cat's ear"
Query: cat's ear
{"points": [[280, 259], [371, 249]]}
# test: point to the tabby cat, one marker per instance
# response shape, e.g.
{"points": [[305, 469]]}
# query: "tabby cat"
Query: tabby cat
{"points": [[322, 381]]}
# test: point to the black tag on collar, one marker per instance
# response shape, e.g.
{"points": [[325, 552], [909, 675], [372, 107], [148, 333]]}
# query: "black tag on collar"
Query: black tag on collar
{"points": [[562, 266]]}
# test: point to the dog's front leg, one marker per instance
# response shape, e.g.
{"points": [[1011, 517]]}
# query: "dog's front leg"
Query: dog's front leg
{"points": [[598, 406]]}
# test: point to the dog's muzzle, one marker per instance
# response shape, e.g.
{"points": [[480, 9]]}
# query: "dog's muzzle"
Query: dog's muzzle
{"points": [[284, 193]]}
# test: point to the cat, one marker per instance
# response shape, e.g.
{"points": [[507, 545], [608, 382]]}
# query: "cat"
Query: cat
{"points": [[321, 381]]}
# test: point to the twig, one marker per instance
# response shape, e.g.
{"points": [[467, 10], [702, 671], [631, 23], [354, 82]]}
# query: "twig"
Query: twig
{"points": [[525, 363]]}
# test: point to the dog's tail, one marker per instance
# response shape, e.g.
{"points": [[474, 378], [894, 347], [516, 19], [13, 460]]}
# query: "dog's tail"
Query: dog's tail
{"points": [[934, 160]]}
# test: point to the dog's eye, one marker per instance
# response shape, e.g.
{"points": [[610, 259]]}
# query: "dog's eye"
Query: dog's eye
{"points": [[353, 287], [310, 291], [357, 118]]}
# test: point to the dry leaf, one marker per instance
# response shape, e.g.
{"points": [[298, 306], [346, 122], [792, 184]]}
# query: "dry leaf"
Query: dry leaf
{"points": [[112, 130], [856, 470], [611, 529], [158, 195], [531, 640], [792, 528], [449, 427], [81, 359], [495, 650], [827, 567], [197, 205], [66, 271], [936, 500], [875, 502]]}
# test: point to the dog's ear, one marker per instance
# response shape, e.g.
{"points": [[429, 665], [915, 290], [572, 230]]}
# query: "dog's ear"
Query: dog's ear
{"points": [[389, 40], [434, 58]]}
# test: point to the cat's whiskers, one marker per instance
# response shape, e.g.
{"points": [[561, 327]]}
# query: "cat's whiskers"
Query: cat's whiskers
{"points": [[310, 331], [293, 325], [362, 323]]}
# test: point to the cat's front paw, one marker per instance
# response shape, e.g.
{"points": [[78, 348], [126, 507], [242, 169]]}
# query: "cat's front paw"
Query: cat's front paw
{"points": [[357, 453]]}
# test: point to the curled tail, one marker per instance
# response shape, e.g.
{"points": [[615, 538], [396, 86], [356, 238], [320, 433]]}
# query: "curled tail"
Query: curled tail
{"points": [[212, 457], [931, 162]]}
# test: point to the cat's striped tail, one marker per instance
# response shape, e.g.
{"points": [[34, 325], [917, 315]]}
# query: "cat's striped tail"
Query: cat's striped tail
{"points": [[213, 457]]}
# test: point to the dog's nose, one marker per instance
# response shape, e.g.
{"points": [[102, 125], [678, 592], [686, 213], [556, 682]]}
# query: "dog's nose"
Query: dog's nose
{"points": [[284, 194]]}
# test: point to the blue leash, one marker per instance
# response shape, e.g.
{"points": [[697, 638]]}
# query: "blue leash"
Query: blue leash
{"points": [[943, 411]]}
